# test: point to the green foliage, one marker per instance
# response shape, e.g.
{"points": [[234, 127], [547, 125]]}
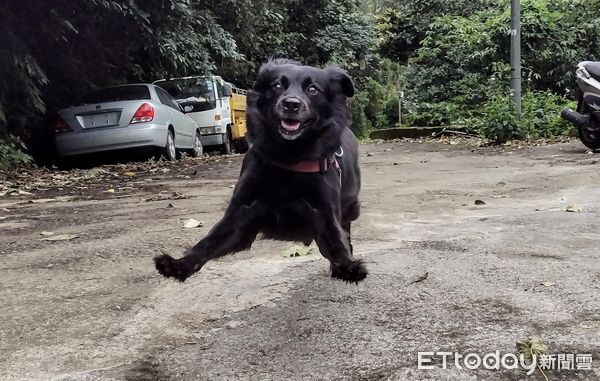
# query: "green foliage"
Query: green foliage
{"points": [[453, 54], [361, 125], [404, 25], [496, 120], [52, 52], [540, 118], [12, 153], [455, 57]]}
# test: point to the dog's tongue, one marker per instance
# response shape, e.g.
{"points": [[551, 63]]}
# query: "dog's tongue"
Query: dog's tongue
{"points": [[290, 125]]}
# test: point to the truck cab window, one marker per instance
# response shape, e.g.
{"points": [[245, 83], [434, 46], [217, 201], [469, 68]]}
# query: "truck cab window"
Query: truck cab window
{"points": [[197, 92], [219, 90]]}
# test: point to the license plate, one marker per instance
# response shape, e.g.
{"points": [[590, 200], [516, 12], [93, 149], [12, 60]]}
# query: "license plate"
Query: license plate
{"points": [[106, 119]]}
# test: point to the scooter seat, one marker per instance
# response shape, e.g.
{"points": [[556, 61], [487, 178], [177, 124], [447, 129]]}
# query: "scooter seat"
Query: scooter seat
{"points": [[594, 69]]}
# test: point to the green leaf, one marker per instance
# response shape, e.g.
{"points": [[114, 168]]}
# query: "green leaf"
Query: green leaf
{"points": [[531, 346], [297, 251]]}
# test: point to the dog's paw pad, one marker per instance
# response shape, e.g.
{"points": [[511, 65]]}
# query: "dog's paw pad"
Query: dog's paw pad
{"points": [[353, 272], [170, 268]]}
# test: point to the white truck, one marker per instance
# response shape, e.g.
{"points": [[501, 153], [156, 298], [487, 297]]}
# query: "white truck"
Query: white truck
{"points": [[217, 107]]}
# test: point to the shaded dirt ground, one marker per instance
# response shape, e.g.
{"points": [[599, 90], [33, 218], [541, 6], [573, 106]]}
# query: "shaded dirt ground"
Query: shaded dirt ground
{"points": [[93, 308]]}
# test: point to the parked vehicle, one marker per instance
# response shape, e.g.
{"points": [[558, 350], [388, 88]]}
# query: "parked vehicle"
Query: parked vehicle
{"points": [[587, 116], [127, 116], [218, 108]]}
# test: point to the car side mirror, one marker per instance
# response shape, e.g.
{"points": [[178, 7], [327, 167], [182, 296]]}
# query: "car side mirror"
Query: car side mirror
{"points": [[227, 90], [188, 108]]}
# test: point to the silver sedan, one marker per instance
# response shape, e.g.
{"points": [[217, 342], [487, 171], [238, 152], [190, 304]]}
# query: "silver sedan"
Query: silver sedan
{"points": [[123, 117]]}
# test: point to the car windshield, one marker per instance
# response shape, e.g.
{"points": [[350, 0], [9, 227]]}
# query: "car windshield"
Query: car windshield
{"points": [[117, 93], [189, 90]]}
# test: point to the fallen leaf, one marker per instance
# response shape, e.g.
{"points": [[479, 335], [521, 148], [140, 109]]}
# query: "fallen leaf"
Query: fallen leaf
{"points": [[47, 233], [45, 200], [15, 192], [109, 191], [297, 251], [420, 278], [531, 346], [60, 237], [548, 284], [192, 223]]}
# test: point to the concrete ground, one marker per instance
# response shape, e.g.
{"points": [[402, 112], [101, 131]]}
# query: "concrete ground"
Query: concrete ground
{"points": [[445, 274]]}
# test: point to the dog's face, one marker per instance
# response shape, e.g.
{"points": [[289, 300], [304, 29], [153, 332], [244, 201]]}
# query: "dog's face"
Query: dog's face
{"points": [[294, 103]]}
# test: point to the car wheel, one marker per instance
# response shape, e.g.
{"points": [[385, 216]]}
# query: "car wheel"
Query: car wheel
{"points": [[198, 149], [226, 146], [169, 152]]}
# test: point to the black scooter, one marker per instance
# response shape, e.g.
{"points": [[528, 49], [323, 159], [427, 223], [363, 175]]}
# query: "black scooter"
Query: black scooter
{"points": [[587, 116]]}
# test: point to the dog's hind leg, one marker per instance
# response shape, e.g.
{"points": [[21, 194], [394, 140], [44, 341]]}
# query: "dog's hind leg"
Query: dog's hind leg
{"points": [[235, 232], [334, 244]]}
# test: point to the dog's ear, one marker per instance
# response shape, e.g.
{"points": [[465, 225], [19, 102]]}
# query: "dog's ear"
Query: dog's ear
{"points": [[262, 79], [341, 76]]}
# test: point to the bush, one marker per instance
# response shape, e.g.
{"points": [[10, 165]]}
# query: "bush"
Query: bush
{"points": [[391, 112], [455, 62], [540, 118], [496, 120], [361, 126], [12, 153], [542, 115]]}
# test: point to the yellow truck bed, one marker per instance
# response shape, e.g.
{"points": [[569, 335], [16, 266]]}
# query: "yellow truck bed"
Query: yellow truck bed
{"points": [[238, 113]]}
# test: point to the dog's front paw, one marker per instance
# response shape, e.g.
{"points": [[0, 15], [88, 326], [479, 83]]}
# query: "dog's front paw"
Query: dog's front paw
{"points": [[171, 268], [352, 272]]}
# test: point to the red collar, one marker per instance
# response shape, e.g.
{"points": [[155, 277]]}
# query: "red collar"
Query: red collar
{"points": [[312, 166], [316, 166]]}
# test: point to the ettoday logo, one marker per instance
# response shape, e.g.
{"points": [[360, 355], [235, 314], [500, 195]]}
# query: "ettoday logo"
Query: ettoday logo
{"points": [[491, 361]]}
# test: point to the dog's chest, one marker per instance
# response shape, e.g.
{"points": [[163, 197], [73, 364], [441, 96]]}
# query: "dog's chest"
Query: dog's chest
{"points": [[286, 216], [286, 222]]}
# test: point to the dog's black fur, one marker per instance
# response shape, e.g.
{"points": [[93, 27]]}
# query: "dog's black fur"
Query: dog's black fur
{"points": [[276, 201]]}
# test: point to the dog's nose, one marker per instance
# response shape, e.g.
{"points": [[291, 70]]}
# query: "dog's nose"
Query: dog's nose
{"points": [[291, 104]]}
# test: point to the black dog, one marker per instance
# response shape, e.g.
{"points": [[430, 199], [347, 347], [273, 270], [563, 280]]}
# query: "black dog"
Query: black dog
{"points": [[299, 180]]}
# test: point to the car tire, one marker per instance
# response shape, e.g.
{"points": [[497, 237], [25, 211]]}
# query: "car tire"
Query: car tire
{"points": [[170, 152], [198, 149], [226, 146]]}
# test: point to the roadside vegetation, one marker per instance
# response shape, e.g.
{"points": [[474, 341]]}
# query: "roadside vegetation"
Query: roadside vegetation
{"points": [[449, 58]]}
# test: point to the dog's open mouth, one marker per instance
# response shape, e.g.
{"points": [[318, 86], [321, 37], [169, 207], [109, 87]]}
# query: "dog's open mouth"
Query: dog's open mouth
{"points": [[291, 129]]}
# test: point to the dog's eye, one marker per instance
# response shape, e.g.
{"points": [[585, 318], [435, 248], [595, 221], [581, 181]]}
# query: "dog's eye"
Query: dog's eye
{"points": [[312, 90], [278, 86]]}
